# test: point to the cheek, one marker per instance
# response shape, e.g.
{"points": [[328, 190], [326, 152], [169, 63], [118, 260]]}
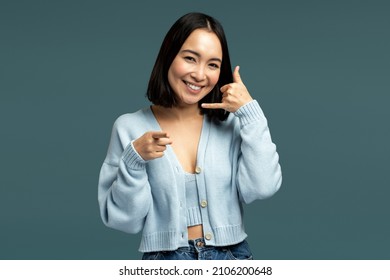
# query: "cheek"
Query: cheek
{"points": [[214, 79], [176, 70]]}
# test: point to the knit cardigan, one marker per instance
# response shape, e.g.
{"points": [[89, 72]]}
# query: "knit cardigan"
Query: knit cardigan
{"points": [[237, 163]]}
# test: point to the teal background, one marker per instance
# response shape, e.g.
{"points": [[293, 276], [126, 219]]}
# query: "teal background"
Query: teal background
{"points": [[320, 70]]}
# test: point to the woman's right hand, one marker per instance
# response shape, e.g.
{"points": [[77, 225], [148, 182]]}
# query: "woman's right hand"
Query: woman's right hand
{"points": [[152, 144]]}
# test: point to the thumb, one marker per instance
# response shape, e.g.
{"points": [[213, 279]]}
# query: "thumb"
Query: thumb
{"points": [[236, 75]]}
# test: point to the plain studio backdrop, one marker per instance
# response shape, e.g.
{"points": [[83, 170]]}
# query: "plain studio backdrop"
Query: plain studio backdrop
{"points": [[319, 69]]}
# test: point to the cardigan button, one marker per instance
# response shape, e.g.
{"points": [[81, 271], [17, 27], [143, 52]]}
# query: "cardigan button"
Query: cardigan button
{"points": [[208, 236], [203, 203], [198, 170]]}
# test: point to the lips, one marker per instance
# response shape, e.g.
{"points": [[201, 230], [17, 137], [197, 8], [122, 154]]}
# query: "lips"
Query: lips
{"points": [[193, 86]]}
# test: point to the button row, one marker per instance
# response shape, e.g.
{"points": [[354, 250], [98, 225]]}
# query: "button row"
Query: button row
{"points": [[203, 204]]}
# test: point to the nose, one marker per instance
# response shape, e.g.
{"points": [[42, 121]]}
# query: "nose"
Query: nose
{"points": [[198, 73]]}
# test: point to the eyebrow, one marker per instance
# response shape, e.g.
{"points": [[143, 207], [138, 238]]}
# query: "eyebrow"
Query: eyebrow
{"points": [[198, 55]]}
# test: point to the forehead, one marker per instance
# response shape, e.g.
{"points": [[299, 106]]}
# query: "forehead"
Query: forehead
{"points": [[204, 42]]}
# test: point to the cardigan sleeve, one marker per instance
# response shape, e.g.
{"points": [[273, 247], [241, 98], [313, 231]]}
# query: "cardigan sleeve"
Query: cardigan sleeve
{"points": [[123, 191], [258, 171]]}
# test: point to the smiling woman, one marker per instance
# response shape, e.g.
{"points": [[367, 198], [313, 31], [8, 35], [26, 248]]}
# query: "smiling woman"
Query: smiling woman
{"points": [[180, 169]]}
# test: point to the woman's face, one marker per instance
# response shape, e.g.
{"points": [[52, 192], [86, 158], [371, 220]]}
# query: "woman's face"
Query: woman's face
{"points": [[195, 70]]}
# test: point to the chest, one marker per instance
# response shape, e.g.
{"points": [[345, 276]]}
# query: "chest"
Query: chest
{"points": [[185, 137]]}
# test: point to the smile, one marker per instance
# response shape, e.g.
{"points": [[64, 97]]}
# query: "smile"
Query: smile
{"points": [[192, 86]]}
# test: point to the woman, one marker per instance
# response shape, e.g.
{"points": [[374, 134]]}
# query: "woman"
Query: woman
{"points": [[181, 169]]}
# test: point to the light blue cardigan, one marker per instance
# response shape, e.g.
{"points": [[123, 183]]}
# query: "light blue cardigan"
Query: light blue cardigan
{"points": [[237, 163]]}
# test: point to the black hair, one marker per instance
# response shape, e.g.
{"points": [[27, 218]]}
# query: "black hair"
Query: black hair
{"points": [[159, 91]]}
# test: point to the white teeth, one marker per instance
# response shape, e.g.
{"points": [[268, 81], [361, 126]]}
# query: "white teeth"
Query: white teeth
{"points": [[194, 87]]}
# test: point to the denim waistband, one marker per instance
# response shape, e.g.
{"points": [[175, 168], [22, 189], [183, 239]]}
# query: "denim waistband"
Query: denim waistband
{"points": [[197, 250], [199, 244]]}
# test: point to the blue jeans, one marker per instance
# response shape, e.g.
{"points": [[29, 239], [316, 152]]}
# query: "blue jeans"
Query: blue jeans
{"points": [[197, 250]]}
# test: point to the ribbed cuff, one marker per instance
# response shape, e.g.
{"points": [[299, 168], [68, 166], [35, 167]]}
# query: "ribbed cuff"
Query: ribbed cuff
{"points": [[249, 112], [132, 159]]}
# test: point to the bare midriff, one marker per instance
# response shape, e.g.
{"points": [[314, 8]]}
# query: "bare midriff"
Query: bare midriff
{"points": [[195, 232]]}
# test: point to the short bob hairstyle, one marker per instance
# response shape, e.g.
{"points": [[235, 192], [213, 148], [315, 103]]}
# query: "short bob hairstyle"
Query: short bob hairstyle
{"points": [[159, 91]]}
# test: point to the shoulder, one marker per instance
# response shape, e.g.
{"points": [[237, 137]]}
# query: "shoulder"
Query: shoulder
{"points": [[249, 113], [132, 120], [229, 123], [130, 126], [226, 129], [131, 117], [126, 128]]}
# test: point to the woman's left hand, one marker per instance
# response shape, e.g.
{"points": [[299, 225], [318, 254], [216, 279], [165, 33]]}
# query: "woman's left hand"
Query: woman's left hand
{"points": [[234, 95]]}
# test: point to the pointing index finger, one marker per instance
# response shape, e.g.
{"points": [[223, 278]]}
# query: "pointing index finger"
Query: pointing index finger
{"points": [[159, 134]]}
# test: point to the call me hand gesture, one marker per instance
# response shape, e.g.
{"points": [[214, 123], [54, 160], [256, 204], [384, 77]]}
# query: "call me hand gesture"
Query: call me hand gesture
{"points": [[234, 95]]}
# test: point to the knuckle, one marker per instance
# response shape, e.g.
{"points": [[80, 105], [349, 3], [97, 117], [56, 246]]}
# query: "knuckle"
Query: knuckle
{"points": [[160, 149]]}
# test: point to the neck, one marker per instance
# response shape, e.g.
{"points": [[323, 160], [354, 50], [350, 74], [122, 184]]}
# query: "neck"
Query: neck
{"points": [[178, 113]]}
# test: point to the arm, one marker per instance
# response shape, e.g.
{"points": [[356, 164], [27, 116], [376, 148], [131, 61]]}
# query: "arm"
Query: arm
{"points": [[123, 191], [258, 172]]}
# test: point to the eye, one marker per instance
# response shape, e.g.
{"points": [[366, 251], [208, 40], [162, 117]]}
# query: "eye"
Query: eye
{"points": [[214, 66], [189, 58]]}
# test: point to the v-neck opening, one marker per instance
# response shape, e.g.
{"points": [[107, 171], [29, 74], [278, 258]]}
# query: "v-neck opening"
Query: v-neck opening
{"points": [[171, 152]]}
